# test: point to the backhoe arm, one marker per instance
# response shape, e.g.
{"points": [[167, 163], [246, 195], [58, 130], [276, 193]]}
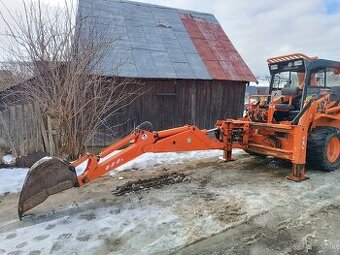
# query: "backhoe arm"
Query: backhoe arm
{"points": [[186, 138], [53, 175]]}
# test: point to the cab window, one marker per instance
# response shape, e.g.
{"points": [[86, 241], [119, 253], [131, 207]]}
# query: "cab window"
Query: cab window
{"points": [[329, 77], [333, 77], [288, 79], [318, 79]]}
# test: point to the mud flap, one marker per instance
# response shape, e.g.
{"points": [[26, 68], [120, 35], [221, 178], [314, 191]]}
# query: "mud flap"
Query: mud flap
{"points": [[48, 176]]}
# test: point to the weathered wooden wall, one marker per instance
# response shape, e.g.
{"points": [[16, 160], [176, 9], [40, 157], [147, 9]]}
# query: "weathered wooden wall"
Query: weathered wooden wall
{"points": [[23, 130], [166, 103], [172, 103]]}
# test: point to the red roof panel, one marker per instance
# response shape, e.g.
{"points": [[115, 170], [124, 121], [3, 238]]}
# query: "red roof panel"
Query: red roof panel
{"points": [[204, 49], [218, 53], [207, 31], [216, 70], [191, 26], [229, 69]]}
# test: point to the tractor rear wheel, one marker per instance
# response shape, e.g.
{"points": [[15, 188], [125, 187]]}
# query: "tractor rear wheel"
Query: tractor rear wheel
{"points": [[323, 149]]}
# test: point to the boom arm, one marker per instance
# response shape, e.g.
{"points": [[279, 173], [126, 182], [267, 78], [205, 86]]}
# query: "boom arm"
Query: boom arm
{"points": [[186, 138], [52, 175]]}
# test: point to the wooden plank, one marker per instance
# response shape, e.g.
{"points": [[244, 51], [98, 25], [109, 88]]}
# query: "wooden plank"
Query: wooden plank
{"points": [[50, 135], [193, 104], [31, 129], [35, 129], [20, 126], [12, 121], [8, 135], [43, 130], [38, 135], [27, 121], [25, 130]]}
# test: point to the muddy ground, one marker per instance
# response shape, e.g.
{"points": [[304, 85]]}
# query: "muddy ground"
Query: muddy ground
{"points": [[242, 207]]}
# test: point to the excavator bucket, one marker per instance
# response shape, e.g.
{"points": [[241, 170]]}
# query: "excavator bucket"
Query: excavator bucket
{"points": [[48, 176]]}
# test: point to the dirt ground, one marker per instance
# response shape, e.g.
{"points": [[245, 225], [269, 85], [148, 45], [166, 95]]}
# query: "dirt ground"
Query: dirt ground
{"points": [[242, 207]]}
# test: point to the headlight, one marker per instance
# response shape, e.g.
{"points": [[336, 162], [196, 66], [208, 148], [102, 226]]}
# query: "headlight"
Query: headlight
{"points": [[298, 63], [274, 67]]}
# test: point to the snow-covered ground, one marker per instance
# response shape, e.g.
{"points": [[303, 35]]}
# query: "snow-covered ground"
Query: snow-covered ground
{"points": [[148, 160], [74, 233], [100, 229], [11, 180], [249, 200]]}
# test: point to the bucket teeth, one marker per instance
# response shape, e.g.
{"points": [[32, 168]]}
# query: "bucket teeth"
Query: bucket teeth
{"points": [[48, 176]]}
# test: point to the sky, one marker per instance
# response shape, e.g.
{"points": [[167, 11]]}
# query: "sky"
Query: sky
{"points": [[266, 28]]}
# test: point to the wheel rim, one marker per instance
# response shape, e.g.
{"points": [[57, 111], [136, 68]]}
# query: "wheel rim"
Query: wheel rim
{"points": [[333, 149]]}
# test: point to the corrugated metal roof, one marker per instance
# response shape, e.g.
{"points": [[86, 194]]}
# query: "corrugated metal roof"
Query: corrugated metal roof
{"points": [[219, 55], [152, 41]]}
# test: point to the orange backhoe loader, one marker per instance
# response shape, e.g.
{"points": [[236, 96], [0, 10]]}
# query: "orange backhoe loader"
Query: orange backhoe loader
{"points": [[298, 121]]}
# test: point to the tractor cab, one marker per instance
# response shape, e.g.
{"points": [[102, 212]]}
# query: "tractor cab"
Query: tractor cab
{"points": [[295, 79]]}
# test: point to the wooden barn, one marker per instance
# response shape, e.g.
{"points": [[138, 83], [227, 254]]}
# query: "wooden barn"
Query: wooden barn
{"points": [[190, 71]]}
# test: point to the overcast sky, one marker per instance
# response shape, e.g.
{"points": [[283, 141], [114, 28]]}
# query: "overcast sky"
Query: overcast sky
{"points": [[261, 29]]}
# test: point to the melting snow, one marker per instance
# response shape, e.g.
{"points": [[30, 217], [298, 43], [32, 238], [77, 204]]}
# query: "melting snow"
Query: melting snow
{"points": [[149, 160], [93, 230], [8, 160], [11, 180]]}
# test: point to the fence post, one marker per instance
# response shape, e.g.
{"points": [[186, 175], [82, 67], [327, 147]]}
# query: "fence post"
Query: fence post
{"points": [[43, 131]]}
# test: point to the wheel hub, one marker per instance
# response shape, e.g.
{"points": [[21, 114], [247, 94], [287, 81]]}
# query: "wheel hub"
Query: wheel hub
{"points": [[333, 149]]}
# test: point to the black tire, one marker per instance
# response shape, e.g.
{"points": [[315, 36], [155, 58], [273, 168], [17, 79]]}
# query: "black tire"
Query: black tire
{"points": [[317, 144]]}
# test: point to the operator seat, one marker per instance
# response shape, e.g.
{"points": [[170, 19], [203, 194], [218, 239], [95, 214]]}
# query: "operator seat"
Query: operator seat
{"points": [[288, 91], [288, 110]]}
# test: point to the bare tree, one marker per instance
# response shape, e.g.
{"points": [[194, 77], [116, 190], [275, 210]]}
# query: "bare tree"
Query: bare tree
{"points": [[63, 55]]}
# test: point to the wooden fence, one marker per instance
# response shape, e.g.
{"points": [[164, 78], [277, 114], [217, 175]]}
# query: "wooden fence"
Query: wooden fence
{"points": [[23, 129]]}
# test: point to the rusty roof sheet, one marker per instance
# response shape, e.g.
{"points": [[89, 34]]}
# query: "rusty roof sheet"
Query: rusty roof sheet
{"points": [[151, 41], [218, 53]]}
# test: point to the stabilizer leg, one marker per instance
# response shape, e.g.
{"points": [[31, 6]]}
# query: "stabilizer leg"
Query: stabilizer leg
{"points": [[298, 173]]}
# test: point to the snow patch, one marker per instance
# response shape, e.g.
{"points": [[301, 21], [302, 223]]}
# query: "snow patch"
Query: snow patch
{"points": [[149, 160], [8, 160], [11, 180], [100, 230]]}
